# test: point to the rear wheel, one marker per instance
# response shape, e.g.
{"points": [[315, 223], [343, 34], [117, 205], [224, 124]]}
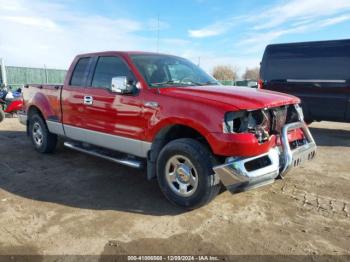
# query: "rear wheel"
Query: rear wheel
{"points": [[185, 174], [43, 140], [2, 115]]}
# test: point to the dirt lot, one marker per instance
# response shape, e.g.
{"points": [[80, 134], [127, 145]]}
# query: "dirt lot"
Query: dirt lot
{"points": [[70, 203]]}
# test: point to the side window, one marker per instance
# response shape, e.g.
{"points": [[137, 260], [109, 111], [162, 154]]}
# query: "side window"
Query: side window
{"points": [[108, 67], [80, 72]]}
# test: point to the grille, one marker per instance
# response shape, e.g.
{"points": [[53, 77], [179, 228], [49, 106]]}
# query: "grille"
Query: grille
{"points": [[278, 119]]}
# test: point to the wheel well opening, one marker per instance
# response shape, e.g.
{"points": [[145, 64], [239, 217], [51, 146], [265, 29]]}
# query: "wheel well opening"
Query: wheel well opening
{"points": [[166, 135], [31, 111], [34, 110], [180, 131]]}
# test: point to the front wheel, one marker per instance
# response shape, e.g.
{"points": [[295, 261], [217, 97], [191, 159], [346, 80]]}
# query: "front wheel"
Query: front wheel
{"points": [[43, 140], [2, 115], [185, 174]]}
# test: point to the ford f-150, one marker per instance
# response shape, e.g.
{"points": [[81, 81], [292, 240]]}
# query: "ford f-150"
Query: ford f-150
{"points": [[165, 114]]}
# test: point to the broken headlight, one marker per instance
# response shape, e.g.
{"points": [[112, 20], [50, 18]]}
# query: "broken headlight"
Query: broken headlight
{"points": [[256, 122], [294, 114]]}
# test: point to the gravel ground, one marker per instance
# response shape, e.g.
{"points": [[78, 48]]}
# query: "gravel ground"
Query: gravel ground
{"points": [[71, 203]]}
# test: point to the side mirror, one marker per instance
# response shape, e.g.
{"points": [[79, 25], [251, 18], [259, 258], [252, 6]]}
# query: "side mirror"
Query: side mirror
{"points": [[121, 85]]}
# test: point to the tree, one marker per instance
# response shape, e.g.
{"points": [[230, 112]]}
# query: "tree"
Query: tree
{"points": [[225, 72], [251, 74]]}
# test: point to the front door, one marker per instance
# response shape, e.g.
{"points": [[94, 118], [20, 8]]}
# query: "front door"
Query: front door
{"points": [[113, 120]]}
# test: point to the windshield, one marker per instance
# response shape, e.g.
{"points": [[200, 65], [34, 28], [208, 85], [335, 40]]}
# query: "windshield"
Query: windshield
{"points": [[168, 71]]}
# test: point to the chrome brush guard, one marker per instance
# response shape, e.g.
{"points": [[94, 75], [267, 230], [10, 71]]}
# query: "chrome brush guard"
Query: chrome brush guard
{"points": [[240, 174]]}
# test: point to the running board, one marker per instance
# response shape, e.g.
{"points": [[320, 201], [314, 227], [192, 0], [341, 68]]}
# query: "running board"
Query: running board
{"points": [[127, 162]]}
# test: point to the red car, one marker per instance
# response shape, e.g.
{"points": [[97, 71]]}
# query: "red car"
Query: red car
{"points": [[164, 113]]}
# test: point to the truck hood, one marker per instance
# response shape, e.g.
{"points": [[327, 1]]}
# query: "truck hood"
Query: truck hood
{"points": [[242, 98]]}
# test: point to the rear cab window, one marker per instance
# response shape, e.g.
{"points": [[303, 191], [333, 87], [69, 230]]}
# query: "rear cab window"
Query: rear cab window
{"points": [[81, 71]]}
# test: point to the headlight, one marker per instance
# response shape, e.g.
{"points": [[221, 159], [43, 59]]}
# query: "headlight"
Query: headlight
{"points": [[256, 122], [294, 114]]}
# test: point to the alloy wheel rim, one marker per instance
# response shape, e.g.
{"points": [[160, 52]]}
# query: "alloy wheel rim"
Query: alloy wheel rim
{"points": [[181, 176], [37, 134]]}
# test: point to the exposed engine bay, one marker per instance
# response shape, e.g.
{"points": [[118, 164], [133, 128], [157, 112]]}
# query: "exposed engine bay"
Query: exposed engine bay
{"points": [[263, 122]]}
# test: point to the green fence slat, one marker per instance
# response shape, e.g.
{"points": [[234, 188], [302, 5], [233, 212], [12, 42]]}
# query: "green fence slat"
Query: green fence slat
{"points": [[17, 76]]}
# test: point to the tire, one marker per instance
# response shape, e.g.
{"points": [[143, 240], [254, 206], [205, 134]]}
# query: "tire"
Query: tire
{"points": [[2, 115], [43, 140], [198, 179]]}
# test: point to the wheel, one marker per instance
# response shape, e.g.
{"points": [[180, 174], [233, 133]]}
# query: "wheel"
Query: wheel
{"points": [[2, 115], [185, 175], [43, 140]]}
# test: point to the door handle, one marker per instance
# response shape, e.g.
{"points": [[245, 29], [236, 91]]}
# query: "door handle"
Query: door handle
{"points": [[151, 104], [88, 100]]}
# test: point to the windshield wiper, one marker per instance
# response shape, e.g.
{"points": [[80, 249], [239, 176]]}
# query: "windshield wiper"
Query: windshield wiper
{"points": [[202, 83], [170, 82], [210, 83]]}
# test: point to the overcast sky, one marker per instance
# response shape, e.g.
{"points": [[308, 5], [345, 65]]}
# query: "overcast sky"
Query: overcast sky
{"points": [[34, 33]]}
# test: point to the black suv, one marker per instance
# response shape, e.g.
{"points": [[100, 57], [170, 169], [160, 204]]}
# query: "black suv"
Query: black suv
{"points": [[316, 72]]}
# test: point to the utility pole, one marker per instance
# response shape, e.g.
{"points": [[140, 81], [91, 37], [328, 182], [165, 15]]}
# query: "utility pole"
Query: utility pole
{"points": [[46, 76], [3, 72]]}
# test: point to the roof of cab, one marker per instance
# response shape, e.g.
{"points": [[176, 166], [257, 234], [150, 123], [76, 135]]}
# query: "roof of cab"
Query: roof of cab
{"points": [[103, 53]]}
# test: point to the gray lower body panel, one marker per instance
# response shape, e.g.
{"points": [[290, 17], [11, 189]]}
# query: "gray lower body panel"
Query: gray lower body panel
{"points": [[122, 144], [55, 128]]}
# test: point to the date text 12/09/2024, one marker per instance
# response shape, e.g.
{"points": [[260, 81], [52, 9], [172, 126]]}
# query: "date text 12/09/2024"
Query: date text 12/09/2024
{"points": [[173, 258]]}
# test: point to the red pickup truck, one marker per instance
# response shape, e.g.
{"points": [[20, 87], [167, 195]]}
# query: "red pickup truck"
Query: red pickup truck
{"points": [[164, 113]]}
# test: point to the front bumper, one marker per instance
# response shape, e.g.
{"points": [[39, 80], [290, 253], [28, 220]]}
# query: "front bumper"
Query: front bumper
{"points": [[240, 174]]}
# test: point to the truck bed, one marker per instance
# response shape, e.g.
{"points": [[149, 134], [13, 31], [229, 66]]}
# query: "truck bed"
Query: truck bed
{"points": [[48, 97]]}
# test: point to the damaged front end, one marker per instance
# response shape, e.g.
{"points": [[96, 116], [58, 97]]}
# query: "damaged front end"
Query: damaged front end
{"points": [[239, 174], [262, 123]]}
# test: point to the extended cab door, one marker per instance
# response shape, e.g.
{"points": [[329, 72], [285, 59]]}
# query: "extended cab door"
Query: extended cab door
{"points": [[73, 92]]}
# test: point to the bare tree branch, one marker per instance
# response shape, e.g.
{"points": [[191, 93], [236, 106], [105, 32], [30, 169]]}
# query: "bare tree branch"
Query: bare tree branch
{"points": [[225, 72]]}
